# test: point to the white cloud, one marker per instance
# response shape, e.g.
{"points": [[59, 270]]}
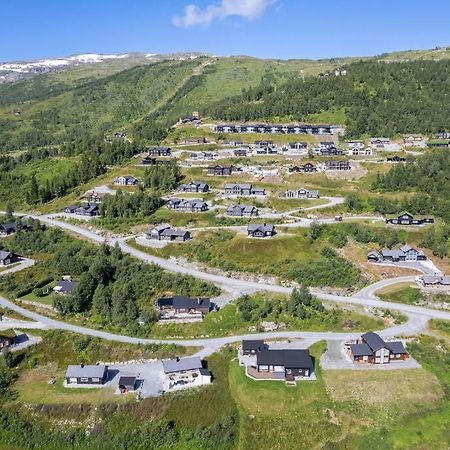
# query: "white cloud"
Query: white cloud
{"points": [[248, 9]]}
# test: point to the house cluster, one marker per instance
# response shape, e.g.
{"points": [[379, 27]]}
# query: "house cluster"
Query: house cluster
{"points": [[305, 168], [404, 253], [7, 258], [258, 230], [300, 193], [184, 373], [188, 206], [405, 218], [337, 164], [126, 180], [242, 211], [372, 349], [435, 281], [194, 187], [83, 210], [274, 129], [243, 189], [166, 233], [264, 363], [182, 309]]}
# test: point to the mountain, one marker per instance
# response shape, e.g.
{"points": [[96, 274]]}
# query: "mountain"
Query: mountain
{"points": [[143, 94], [17, 70]]}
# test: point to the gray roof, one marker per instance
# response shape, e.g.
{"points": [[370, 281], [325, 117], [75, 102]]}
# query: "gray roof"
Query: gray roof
{"points": [[289, 358], [373, 340], [396, 347], [66, 286], [81, 371], [4, 254], [266, 228], [172, 365], [360, 350], [158, 228], [174, 232], [239, 185]]}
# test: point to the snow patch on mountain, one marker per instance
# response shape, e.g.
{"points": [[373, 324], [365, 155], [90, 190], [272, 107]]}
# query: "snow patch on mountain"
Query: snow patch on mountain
{"points": [[58, 62]]}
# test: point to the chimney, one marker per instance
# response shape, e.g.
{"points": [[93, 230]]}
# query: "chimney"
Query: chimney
{"points": [[82, 365], [178, 359]]}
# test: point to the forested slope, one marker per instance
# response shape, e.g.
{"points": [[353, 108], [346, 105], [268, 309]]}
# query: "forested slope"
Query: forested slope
{"points": [[377, 98]]}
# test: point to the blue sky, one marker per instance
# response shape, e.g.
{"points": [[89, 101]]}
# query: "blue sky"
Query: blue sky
{"points": [[263, 28]]}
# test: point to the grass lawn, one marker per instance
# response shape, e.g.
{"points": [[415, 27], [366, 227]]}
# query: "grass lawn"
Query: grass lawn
{"points": [[32, 387], [341, 410], [401, 293]]}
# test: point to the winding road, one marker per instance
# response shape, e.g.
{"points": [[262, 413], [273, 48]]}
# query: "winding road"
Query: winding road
{"points": [[417, 316]]}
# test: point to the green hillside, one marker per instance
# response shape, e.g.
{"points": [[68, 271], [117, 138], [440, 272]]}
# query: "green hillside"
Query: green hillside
{"points": [[145, 100]]}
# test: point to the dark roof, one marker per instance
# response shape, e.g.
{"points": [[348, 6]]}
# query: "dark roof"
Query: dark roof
{"points": [[179, 365], [253, 344], [360, 350], [180, 301], [66, 286], [289, 358], [82, 371], [373, 340], [4, 254], [396, 347], [127, 381]]}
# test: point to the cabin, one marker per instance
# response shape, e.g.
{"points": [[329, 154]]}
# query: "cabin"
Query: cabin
{"points": [[194, 187], [260, 230], [203, 156], [93, 196], [7, 338], [372, 349], [298, 145], [7, 258], [305, 168], [126, 180], [337, 164], [395, 159], [284, 364], [354, 144], [240, 152], [380, 142], [435, 280], [127, 384], [405, 218], [193, 141], [166, 233], [86, 374], [414, 140], [220, 171], [439, 143], [404, 253], [83, 210], [190, 206], [243, 189], [8, 228], [149, 161], [357, 151], [328, 151], [160, 152], [242, 211], [442, 134], [65, 287], [300, 193], [182, 373], [179, 308]]}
